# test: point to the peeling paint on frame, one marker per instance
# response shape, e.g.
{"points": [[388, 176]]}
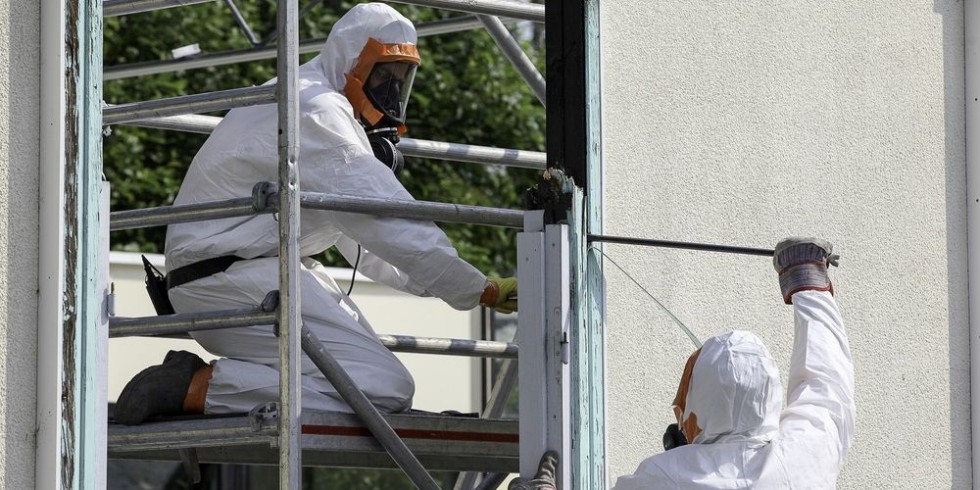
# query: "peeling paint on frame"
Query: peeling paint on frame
{"points": [[81, 462]]}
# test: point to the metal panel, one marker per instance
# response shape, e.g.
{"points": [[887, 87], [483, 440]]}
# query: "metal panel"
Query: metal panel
{"points": [[532, 364], [557, 289]]}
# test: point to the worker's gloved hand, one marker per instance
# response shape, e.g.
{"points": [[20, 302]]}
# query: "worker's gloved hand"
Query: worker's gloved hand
{"points": [[500, 293], [544, 479], [802, 265]]}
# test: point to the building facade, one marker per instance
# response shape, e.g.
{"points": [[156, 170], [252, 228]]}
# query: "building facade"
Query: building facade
{"points": [[740, 123]]}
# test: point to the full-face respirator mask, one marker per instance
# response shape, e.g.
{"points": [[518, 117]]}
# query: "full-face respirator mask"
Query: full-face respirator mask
{"points": [[378, 88]]}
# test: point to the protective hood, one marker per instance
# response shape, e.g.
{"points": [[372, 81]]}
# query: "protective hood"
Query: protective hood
{"points": [[734, 392], [373, 29]]}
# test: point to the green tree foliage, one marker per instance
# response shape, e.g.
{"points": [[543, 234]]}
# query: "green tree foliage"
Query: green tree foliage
{"points": [[465, 92]]}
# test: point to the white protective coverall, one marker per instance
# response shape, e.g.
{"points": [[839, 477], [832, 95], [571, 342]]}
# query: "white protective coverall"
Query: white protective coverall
{"points": [[334, 157], [746, 441]]}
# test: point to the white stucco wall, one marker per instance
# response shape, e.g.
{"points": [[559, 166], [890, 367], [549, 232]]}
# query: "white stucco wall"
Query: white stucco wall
{"points": [[743, 122], [19, 51]]}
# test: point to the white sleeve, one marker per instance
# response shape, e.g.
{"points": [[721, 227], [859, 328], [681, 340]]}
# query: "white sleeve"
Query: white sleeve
{"points": [[820, 409], [376, 269], [335, 159]]}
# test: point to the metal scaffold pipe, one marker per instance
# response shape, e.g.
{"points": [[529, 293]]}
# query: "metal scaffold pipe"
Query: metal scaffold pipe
{"points": [[113, 8], [704, 247], [473, 154], [290, 319], [165, 215], [188, 322], [368, 414], [457, 152], [442, 26], [188, 123], [449, 347], [503, 8], [512, 50], [423, 210], [246, 206], [189, 104]]}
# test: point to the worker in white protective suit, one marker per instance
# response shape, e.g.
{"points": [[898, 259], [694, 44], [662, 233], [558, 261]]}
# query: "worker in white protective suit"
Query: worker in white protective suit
{"points": [[729, 402], [352, 97]]}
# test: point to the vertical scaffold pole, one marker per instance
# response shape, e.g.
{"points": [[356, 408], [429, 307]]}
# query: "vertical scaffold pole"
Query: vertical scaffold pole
{"points": [[289, 287]]}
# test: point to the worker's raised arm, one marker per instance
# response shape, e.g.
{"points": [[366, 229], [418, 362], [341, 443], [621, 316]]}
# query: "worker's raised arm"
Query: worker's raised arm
{"points": [[820, 412]]}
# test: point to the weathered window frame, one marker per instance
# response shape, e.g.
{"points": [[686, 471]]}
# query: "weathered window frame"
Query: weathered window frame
{"points": [[73, 252]]}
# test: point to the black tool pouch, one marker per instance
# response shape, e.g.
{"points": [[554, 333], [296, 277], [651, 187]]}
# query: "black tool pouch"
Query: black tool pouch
{"points": [[156, 286]]}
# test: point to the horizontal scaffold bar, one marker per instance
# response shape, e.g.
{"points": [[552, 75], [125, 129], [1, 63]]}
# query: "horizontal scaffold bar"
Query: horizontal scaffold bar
{"points": [[329, 439], [113, 8], [188, 322], [399, 208], [424, 210], [704, 247], [451, 347], [165, 215], [442, 26], [189, 104], [172, 325], [473, 154], [503, 8], [456, 152]]}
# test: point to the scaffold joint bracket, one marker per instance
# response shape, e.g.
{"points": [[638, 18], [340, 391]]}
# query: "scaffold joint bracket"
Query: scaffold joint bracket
{"points": [[261, 193], [264, 415]]}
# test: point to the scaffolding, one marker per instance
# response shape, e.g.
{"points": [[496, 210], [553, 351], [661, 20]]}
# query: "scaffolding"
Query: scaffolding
{"points": [[281, 433]]}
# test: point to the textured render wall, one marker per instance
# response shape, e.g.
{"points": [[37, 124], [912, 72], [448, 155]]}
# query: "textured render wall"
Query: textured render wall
{"points": [[743, 122], [19, 55]]}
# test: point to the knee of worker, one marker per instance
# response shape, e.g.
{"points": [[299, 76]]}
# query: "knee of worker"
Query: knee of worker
{"points": [[391, 389]]}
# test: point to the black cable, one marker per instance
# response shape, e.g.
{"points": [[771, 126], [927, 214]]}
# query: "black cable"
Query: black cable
{"points": [[352, 276]]}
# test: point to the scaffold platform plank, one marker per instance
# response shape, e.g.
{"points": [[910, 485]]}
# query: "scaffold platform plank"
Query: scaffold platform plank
{"points": [[449, 443]]}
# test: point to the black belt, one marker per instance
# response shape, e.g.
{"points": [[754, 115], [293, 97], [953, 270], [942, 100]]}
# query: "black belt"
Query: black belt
{"points": [[199, 270]]}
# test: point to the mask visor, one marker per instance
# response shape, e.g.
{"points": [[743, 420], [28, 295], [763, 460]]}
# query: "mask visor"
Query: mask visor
{"points": [[389, 86]]}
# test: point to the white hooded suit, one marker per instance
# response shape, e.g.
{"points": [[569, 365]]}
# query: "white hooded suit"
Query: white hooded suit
{"points": [[748, 440], [334, 157]]}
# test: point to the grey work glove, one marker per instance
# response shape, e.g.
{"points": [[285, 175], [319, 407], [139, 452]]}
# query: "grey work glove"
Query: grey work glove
{"points": [[802, 265], [545, 477]]}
